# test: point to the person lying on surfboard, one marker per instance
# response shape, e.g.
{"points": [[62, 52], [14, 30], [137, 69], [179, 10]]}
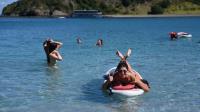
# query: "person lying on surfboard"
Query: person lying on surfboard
{"points": [[124, 75], [51, 49]]}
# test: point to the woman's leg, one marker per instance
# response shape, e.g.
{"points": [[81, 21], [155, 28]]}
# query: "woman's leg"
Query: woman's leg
{"points": [[120, 55], [128, 53]]}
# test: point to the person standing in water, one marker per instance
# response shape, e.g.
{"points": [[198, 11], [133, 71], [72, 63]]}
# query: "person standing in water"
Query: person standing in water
{"points": [[78, 40], [51, 49], [99, 42]]}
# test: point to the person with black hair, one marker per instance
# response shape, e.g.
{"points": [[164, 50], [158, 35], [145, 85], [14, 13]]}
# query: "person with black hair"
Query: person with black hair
{"points": [[51, 49], [124, 75], [99, 42], [78, 40]]}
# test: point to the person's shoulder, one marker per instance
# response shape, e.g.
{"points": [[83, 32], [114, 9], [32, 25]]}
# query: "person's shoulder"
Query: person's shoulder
{"points": [[55, 51]]}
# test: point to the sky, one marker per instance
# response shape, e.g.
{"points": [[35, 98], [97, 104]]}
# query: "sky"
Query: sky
{"points": [[3, 3]]}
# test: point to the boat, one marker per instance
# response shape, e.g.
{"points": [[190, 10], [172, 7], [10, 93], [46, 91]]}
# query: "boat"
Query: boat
{"points": [[184, 35], [86, 14], [61, 17]]}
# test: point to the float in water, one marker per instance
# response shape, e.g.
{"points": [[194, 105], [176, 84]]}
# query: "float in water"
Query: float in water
{"points": [[176, 35], [184, 35], [128, 90]]}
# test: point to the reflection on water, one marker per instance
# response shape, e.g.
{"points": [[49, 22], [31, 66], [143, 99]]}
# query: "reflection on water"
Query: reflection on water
{"points": [[127, 104], [93, 93], [52, 70], [53, 83]]}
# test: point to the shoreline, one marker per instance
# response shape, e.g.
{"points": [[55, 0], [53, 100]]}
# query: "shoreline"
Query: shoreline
{"points": [[112, 16], [151, 16]]}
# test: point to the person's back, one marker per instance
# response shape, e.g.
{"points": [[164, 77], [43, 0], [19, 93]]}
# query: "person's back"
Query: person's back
{"points": [[52, 54], [52, 47], [52, 61], [46, 46]]}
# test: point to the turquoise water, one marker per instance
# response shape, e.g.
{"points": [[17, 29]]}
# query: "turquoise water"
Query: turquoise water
{"points": [[27, 84]]}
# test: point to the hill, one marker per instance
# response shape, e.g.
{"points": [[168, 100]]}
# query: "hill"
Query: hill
{"points": [[108, 7]]}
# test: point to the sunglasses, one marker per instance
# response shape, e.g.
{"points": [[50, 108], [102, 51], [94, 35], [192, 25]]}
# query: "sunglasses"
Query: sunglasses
{"points": [[122, 70]]}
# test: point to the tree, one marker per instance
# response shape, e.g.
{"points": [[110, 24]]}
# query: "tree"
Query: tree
{"points": [[126, 3], [165, 3], [196, 1], [156, 9]]}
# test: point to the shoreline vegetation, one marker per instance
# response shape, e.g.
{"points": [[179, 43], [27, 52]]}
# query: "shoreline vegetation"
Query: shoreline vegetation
{"points": [[114, 16], [150, 16], [109, 8]]}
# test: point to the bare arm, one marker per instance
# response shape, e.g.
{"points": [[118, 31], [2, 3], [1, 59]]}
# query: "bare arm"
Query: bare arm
{"points": [[59, 44], [56, 55], [107, 83], [137, 78], [142, 85], [133, 71]]}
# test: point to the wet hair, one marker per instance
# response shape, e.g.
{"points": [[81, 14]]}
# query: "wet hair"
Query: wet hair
{"points": [[51, 45], [121, 64]]}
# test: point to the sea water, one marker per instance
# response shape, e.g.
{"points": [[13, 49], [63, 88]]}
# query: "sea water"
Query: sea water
{"points": [[28, 84]]}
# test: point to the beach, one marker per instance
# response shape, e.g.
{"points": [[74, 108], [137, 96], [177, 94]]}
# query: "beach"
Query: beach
{"points": [[147, 16], [111, 16]]}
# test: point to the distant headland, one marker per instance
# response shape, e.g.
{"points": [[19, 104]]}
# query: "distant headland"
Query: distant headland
{"points": [[111, 8]]}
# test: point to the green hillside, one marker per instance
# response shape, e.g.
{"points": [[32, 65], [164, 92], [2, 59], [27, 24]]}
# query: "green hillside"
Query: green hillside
{"points": [[108, 7]]}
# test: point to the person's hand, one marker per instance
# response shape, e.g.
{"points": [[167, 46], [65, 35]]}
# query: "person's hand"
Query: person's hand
{"points": [[59, 43], [110, 78]]}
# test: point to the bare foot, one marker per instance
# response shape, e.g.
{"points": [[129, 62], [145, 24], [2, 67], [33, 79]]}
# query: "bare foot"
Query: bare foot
{"points": [[128, 53], [120, 55]]}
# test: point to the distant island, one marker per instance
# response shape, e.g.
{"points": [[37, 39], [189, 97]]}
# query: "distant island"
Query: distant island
{"points": [[107, 7]]}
